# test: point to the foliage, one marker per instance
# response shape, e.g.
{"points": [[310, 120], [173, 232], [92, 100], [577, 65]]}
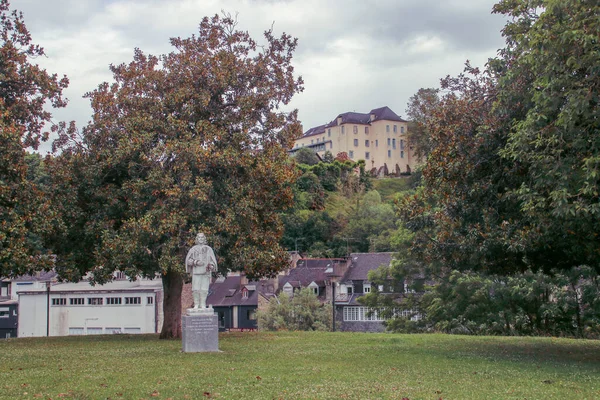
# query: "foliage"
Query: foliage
{"points": [[419, 109], [550, 89], [25, 91], [184, 142], [370, 224], [306, 156], [301, 365], [301, 312], [510, 182], [563, 304]]}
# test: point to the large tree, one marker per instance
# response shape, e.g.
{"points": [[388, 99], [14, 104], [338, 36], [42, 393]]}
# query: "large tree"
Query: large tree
{"points": [[25, 91], [189, 141], [549, 94]]}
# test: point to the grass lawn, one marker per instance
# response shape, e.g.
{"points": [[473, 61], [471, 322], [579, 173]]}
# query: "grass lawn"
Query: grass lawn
{"points": [[304, 365]]}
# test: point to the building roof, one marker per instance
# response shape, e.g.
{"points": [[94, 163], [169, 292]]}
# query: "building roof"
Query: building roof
{"points": [[310, 270], [362, 263], [228, 292], [385, 113], [381, 113], [40, 276], [140, 285]]}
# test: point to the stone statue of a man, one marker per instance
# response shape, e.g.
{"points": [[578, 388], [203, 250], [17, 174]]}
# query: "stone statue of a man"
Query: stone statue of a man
{"points": [[200, 263]]}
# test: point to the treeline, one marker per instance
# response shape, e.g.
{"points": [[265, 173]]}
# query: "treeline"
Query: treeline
{"points": [[506, 221]]}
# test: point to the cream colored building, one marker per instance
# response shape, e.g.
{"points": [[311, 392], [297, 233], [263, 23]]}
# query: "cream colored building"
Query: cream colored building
{"points": [[379, 137]]}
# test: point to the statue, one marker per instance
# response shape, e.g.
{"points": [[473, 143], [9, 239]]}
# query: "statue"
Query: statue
{"points": [[200, 262]]}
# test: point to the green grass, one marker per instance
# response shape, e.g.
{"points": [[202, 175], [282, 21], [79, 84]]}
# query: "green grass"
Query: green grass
{"points": [[307, 365], [388, 187]]}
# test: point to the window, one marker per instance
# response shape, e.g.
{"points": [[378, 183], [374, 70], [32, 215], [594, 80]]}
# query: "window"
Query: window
{"points": [[349, 289], [113, 331], [355, 142], [76, 301], [76, 331], [95, 301], [94, 331], [113, 300], [318, 140], [367, 156], [251, 315], [4, 312], [351, 154], [387, 128], [133, 300], [395, 128], [360, 314], [393, 143], [367, 130], [401, 129], [401, 144], [389, 141], [366, 143], [367, 288], [401, 154], [311, 141], [59, 302], [149, 300], [315, 290], [132, 330], [376, 143], [329, 132], [355, 129], [389, 153], [343, 129], [244, 293]]}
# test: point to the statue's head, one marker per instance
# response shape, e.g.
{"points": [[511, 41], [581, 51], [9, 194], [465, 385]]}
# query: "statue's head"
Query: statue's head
{"points": [[200, 238]]}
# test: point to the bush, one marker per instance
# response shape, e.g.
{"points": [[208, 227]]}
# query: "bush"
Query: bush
{"points": [[302, 312]]}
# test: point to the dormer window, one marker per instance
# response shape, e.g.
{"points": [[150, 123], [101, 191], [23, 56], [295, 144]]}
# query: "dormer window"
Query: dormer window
{"points": [[244, 293], [367, 288]]}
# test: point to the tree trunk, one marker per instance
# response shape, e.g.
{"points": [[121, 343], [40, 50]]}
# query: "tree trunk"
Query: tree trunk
{"points": [[172, 286]]}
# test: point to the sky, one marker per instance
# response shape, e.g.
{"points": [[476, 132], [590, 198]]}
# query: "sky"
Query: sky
{"points": [[354, 55]]}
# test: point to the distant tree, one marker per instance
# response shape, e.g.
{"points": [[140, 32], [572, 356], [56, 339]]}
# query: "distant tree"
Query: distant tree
{"points": [[419, 109], [185, 142], [328, 157], [25, 91], [306, 156], [371, 223], [302, 312]]}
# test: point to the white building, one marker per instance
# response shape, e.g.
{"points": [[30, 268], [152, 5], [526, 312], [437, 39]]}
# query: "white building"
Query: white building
{"points": [[82, 309]]}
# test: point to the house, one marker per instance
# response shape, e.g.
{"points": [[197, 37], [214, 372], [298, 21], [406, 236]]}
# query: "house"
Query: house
{"points": [[235, 300], [351, 315], [380, 137], [121, 306], [8, 318], [313, 273]]}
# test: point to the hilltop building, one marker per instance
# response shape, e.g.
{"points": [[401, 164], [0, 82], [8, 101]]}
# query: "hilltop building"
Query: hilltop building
{"points": [[380, 137]]}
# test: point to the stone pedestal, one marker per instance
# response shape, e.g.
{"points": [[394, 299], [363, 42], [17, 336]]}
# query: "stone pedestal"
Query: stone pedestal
{"points": [[200, 331]]}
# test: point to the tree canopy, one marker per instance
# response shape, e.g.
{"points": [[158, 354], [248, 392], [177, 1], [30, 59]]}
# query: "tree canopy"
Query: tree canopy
{"points": [[25, 90], [189, 141]]}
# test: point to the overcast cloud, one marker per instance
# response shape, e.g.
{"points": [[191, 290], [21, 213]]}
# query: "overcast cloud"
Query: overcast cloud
{"points": [[353, 55]]}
